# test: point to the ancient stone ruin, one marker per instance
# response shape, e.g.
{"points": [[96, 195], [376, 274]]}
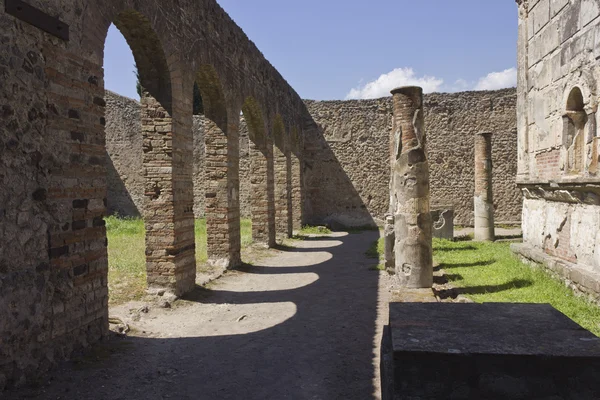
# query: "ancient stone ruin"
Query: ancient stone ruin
{"points": [[72, 153], [409, 197]]}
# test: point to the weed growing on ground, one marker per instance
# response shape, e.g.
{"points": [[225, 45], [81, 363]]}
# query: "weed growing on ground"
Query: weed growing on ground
{"points": [[314, 230]]}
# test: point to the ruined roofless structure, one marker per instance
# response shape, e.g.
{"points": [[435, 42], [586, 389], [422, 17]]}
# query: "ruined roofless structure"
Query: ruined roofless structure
{"points": [[317, 162]]}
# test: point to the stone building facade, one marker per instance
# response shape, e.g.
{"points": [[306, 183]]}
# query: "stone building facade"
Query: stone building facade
{"points": [[558, 73], [350, 172]]}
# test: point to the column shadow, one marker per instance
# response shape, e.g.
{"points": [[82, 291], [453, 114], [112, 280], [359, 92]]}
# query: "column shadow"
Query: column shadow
{"points": [[322, 347]]}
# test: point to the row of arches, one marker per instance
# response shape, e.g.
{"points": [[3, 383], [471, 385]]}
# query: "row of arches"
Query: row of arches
{"points": [[53, 255], [167, 166]]}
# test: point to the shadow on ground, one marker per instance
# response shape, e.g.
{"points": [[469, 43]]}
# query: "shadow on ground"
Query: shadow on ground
{"points": [[302, 325], [455, 292]]}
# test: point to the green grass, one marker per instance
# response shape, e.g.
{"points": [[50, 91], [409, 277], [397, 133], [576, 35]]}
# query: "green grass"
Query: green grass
{"points": [[490, 272], [127, 260], [376, 249], [314, 230]]}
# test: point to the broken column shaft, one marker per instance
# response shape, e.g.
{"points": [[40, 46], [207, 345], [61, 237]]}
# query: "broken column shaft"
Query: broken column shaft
{"points": [[410, 191], [484, 202]]}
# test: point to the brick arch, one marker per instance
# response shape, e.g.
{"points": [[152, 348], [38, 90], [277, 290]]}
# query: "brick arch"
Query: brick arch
{"points": [[148, 54], [279, 133], [213, 98], [256, 121]]}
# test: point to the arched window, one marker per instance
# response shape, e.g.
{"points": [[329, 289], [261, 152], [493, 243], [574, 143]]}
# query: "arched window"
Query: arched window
{"points": [[574, 122]]}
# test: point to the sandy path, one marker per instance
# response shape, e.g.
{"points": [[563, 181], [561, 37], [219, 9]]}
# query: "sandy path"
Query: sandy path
{"points": [[303, 324]]}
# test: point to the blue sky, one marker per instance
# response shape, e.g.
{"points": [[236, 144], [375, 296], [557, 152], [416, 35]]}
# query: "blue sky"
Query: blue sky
{"points": [[357, 49]]}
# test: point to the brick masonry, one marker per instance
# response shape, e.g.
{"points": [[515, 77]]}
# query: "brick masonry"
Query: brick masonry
{"points": [[347, 166], [56, 175], [347, 170]]}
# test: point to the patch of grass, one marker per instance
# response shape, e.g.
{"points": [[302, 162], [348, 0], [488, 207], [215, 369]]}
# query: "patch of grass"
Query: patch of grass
{"points": [[364, 228], [314, 230], [378, 267], [490, 272], [376, 250], [127, 259]]}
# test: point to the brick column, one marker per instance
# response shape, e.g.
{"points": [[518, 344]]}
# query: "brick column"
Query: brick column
{"points": [[222, 200], [281, 193], [262, 197], [233, 190], [410, 186], [289, 193], [296, 191], [168, 211], [484, 203]]}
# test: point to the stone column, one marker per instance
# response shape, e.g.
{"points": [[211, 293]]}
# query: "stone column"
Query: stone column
{"points": [[484, 203], [410, 191]]}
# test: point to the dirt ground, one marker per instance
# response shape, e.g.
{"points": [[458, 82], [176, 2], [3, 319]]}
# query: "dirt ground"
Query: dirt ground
{"points": [[303, 323]]}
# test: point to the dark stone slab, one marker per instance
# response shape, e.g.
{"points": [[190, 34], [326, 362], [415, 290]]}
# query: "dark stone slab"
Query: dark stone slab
{"points": [[487, 351]]}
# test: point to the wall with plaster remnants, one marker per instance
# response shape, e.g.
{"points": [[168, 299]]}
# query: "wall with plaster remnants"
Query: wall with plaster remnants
{"points": [[558, 142]]}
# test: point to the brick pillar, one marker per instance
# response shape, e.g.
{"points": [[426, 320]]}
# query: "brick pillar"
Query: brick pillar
{"points": [[484, 203], [289, 194], [222, 200], [296, 191], [262, 196], [168, 213], [410, 186], [281, 193], [233, 190]]}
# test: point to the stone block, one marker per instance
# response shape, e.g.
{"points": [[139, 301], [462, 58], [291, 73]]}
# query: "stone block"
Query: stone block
{"points": [[590, 10], [487, 351], [541, 15], [443, 222]]}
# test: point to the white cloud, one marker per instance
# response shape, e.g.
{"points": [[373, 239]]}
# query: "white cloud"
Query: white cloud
{"points": [[498, 80], [399, 77]]}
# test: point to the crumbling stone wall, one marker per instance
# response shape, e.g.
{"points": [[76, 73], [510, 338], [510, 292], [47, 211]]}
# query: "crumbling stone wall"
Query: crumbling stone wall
{"points": [[559, 144], [350, 173], [347, 174]]}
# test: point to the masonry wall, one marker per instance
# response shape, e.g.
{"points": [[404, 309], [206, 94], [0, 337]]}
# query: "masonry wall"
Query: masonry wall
{"points": [[347, 174], [559, 44]]}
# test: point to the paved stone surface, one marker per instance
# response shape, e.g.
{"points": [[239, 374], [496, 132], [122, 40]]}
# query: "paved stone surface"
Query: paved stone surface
{"points": [[305, 323]]}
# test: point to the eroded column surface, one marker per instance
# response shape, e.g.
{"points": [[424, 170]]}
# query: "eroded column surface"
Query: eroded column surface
{"points": [[169, 221], [484, 202], [410, 191]]}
